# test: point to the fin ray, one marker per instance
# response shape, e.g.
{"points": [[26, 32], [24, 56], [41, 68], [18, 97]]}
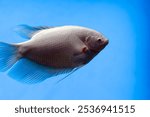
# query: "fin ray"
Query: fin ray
{"points": [[8, 56], [67, 75], [27, 31], [29, 72]]}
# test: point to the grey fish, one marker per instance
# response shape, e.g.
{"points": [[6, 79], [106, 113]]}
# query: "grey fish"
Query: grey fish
{"points": [[49, 51]]}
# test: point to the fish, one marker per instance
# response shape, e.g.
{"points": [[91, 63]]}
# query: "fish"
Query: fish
{"points": [[49, 51]]}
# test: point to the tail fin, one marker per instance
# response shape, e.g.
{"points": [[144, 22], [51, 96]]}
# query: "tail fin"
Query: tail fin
{"points": [[8, 56]]}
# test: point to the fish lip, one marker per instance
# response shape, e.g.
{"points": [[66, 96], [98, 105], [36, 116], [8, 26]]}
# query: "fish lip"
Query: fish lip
{"points": [[106, 42]]}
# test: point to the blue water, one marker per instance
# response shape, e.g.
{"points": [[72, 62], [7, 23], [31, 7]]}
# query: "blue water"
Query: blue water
{"points": [[120, 71]]}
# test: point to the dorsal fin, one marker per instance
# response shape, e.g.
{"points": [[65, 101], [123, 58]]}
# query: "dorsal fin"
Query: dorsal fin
{"points": [[28, 32]]}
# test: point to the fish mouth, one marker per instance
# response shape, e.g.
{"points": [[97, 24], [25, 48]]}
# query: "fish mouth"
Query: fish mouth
{"points": [[106, 42]]}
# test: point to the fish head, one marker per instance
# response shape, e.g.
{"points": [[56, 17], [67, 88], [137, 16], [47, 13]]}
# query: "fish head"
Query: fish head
{"points": [[96, 43]]}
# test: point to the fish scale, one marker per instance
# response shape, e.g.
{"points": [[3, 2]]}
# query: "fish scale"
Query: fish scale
{"points": [[49, 52]]}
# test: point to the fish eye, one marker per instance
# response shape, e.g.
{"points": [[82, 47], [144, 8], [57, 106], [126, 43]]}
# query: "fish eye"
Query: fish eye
{"points": [[99, 40]]}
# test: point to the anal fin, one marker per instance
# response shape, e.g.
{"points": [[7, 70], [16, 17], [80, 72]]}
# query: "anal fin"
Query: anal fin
{"points": [[29, 72]]}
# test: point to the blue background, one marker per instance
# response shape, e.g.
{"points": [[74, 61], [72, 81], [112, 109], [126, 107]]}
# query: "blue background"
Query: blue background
{"points": [[120, 71]]}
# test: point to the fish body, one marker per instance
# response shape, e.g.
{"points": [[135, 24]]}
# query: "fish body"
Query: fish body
{"points": [[58, 50]]}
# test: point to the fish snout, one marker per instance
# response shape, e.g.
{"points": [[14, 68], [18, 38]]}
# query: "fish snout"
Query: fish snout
{"points": [[106, 42]]}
